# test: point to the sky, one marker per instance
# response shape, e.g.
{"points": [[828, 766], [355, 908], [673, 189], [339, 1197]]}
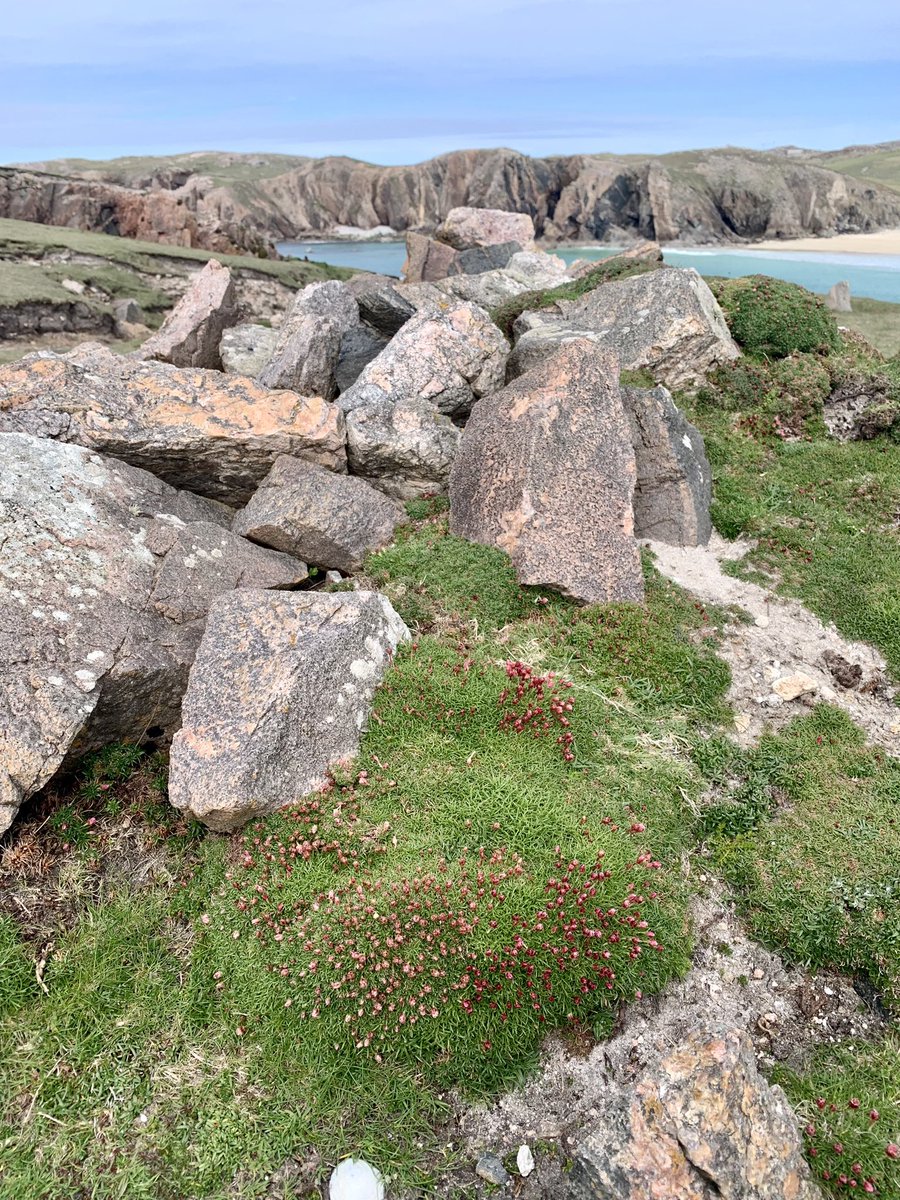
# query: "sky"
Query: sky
{"points": [[397, 81]]}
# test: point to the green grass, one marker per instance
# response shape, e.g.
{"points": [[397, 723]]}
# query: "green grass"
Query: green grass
{"points": [[774, 318], [163, 1060], [824, 514], [848, 1102], [877, 320], [606, 271], [810, 840], [24, 237], [876, 165], [22, 283]]}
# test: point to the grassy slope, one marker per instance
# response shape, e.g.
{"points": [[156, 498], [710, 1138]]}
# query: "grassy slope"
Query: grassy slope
{"points": [[877, 164], [230, 1079], [877, 320], [164, 1059], [18, 238]]}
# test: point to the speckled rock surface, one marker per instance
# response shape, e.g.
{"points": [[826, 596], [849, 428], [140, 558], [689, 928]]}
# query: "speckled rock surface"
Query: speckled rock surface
{"points": [[674, 478], [667, 321], [191, 333], [546, 473], [106, 574], [326, 519], [280, 691], [702, 1124], [247, 348], [381, 305], [308, 345], [213, 434], [464, 228], [398, 432], [359, 346], [426, 259]]}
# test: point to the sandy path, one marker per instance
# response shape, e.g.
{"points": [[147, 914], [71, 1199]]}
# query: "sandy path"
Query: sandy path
{"points": [[781, 650]]}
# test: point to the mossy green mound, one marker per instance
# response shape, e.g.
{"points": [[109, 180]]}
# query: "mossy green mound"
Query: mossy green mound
{"points": [[771, 318]]}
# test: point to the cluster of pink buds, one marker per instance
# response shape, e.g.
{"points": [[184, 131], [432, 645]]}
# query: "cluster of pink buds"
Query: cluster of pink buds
{"points": [[538, 705], [828, 1153]]}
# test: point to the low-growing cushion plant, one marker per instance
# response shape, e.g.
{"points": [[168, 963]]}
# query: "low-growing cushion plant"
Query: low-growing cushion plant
{"points": [[848, 1102], [176, 1049], [810, 840], [772, 318]]}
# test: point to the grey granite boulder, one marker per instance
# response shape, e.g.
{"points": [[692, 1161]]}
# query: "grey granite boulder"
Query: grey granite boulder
{"points": [[214, 434], [399, 432], [326, 519], [191, 333], [666, 321], [280, 692], [484, 258], [359, 346], [106, 574], [838, 298], [308, 345], [674, 478], [702, 1124], [862, 405], [546, 472], [247, 348], [487, 290], [381, 305], [465, 228]]}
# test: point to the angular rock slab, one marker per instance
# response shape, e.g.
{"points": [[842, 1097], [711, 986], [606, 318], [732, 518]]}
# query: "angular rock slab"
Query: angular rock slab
{"points": [[308, 345], [449, 357], [399, 434], [674, 478], [381, 306], [702, 1125], [427, 260], [546, 472], [191, 334], [326, 519], [466, 228], [106, 574], [213, 434], [280, 692], [667, 321]]}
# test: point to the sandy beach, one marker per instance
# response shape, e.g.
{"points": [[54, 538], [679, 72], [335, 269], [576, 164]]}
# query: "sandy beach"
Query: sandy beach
{"points": [[885, 241]]}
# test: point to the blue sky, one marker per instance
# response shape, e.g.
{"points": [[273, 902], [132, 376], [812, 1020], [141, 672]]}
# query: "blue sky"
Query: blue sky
{"points": [[396, 81]]}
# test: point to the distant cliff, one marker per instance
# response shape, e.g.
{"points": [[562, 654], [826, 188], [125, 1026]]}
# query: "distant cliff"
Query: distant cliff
{"points": [[220, 201]]}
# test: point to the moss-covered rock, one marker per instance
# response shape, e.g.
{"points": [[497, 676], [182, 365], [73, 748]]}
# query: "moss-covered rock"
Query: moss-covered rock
{"points": [[771, 318]]}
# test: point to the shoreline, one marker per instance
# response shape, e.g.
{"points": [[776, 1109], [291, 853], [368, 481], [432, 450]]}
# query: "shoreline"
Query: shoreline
{"points": [[881, 242]]}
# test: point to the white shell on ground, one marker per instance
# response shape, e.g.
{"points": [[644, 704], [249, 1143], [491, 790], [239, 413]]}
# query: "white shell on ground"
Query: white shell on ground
{"points": [[525, 1161], [355, 1179]]}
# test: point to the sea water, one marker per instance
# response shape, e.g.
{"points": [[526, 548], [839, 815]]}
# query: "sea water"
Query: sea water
{"points": [[876, 276]]}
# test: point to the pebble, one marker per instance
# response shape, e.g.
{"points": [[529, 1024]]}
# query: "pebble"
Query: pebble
{"points": [[333, 577], [491, 1169], [790, 687], [762, 621], [525, 1161], [355, 1179]]}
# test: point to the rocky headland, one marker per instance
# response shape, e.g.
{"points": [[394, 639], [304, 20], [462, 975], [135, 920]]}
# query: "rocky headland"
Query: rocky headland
{"points": [[247, 202]]}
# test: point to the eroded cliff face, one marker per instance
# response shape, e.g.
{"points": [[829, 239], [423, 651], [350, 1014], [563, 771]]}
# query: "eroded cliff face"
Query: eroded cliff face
{"points": [[247, 202]]}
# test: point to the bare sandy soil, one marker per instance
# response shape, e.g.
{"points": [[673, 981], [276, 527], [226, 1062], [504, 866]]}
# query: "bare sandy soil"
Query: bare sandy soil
{"points": [[885, 241]]}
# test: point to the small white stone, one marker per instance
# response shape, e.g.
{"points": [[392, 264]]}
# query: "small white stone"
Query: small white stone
{"points": [[525, 1161], [790, 687], [762, 621], [355, 1179]]}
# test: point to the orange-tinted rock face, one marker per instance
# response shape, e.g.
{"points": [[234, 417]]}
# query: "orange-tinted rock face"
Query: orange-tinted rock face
{"points": [[214, 434], [191, 333], [702, 1124], [546, 472]]}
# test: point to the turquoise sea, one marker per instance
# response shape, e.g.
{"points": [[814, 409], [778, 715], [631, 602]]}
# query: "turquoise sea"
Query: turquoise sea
{"points": [[874, 275]]}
